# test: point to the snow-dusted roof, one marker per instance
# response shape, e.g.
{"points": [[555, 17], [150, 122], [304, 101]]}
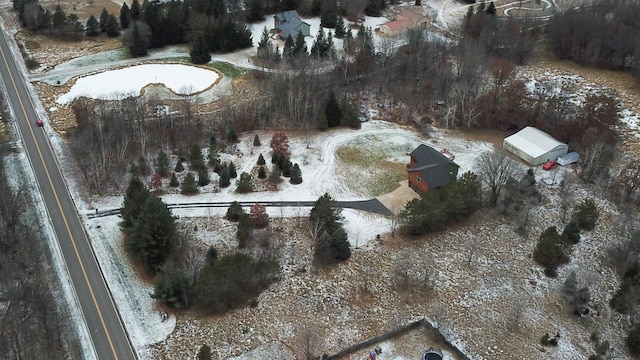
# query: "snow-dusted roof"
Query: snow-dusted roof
{"points": [[533, 141]]}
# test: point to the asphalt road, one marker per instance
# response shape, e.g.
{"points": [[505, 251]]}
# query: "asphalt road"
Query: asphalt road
{"points": [[108, 335]]}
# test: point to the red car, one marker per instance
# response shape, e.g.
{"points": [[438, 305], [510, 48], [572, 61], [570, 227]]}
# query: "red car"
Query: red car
{"points": [[39, 122], [549, 165]]}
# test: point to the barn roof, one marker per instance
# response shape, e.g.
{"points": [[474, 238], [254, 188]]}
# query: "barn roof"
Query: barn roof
{"points": [[533, 142], [399, 24]]}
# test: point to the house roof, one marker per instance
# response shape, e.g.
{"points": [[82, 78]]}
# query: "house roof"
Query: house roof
{"points": [[533, 142], [411, 15], [399, 25], [289, 23], [432, 165]]}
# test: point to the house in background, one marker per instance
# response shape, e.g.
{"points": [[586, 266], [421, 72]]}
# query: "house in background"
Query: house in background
{"points": [[404, 20], [534, 146], [289, 23], [430, 169]]}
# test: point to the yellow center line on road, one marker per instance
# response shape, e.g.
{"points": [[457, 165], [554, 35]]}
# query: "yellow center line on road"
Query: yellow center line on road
{"points": [[64, 218]]}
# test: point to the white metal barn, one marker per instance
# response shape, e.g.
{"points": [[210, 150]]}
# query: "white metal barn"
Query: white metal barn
{"points": [[534, 146]]}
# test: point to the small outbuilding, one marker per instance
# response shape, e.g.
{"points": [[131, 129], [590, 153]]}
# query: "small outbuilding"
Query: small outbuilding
{"points": [[289, 23], [534, 146], [568, 158]]}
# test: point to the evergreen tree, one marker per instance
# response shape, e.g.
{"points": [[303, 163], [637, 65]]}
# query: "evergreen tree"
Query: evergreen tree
{"points": [[286, 168], [329, 14], [326, 214], [73, 27], [633, 340], [213, 158], [232, 170], [491, 10], [347, 43], [162, 164], [349, 115], [332, 247], [136, 13], [482, 7], [587, 214], [265, 49], [203, 177], [364, 41], [418, 3], [255, 11], [256, 141], [189, 185], [104, 16], [296, 175], [340, 28], [138, 46], [232, 136], [125, 16], [93, 28], [196, 160], [245, 227], [134, 197], [262, 173], [300, 47], [261, 160], [552, 250], [179, 167], [275, 157], [174, 181], [204, 353], [234, 212], [245, 183], [199, 53], [224, 177], [113, 29], [332, 111], [317, 49], [59, 19], [153, 235], [171, 286], [289, 48]]}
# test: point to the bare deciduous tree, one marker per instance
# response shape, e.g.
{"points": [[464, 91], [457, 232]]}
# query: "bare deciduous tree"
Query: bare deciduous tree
{"points": [[495, 168]]}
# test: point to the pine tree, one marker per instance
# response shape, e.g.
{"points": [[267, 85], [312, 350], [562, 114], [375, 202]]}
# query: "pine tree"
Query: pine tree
{"points": [[288, 49], [245, 227], [199, 53], [232, 136], [329, 14], [196, 161], [213, 158], [348, 41], [113, 29], [138, 47], [203, 177], [153, 235], [104, 16], [245, 183], [491, 10], [171, 286], [162, 164], [93, 28], [134, 197], [300, 47], [189, 186], [204, 353], [234, 212], [265, 49], [256, 141], [340, 29], [317, 49], [418, 3], [125, 16], [174, 181], [286, 168], [224, 181], [73, 27], [59, 19], [262, 173], [296, 175], [179, 167], [332, 111], [256, 11], [135, 11], [261, 160], [232, 170], [326, 214]]}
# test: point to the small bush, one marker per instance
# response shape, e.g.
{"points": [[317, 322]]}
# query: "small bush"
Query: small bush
{"points": [[234, 212], [586, 214], [31, 63], [572, 232], [174, 181]]}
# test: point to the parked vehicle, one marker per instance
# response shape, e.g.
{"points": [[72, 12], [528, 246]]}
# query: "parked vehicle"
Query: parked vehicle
{"points": [[568, 159], [39, 122], [549, 165]]}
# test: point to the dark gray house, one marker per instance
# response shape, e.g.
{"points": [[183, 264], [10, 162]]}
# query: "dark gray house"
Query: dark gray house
{"points": [[289, 23], [430, 169]]}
